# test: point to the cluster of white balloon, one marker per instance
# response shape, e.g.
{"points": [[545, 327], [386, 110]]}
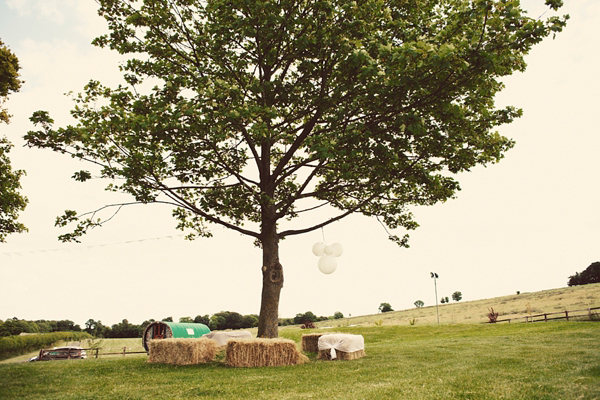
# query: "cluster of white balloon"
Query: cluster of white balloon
{"points": [[328, 254]]}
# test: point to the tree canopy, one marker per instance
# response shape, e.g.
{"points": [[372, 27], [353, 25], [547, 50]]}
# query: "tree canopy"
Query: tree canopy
{"points": [[249, 114], [9, 78], [589, 275], [11, 201]]}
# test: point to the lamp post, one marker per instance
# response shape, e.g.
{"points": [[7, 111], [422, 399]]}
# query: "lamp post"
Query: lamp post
{"points": [[435, 276]]}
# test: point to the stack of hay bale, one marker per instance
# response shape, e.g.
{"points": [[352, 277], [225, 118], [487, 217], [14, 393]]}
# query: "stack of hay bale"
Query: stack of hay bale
{"points": [[263, 353], [182, 351], [243, 351]]}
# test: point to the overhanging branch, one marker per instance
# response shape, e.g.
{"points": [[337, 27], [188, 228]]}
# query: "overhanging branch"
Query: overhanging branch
{"points": [[181, 202]]}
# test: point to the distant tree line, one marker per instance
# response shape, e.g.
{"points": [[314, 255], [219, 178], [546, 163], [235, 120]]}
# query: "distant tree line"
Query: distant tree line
{"points": [[220, 321], [15, 326], [307, 317]]}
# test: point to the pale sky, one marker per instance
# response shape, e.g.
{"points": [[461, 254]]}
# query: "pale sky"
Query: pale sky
{"points": [[525, 224]]}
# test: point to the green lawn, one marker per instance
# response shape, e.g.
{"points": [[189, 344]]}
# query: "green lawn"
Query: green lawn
{"points": [[554, 360]]}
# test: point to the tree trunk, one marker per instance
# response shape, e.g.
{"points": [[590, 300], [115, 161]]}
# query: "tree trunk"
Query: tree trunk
{"points": [[272, 273]]}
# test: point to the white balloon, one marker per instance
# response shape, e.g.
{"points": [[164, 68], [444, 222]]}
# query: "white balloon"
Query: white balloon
{"points": [[327, 264], [318, 249], [337, 249], [328, 250]]}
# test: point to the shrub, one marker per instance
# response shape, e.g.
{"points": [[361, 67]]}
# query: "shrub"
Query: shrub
{"points": [[492, 316], [286, 321], [308, 325]]}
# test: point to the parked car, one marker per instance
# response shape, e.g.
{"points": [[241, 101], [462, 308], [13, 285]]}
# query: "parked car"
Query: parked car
{"points": [[60, 353]]}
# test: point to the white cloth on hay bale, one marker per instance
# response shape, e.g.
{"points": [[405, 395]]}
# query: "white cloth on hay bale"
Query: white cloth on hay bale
{"points": [[223, 337], [342, 342]]}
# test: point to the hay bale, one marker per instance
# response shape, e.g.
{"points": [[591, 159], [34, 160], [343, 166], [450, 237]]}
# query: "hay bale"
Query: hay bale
{"points": [[341, 346], [310, 342], [340, 355], [263, 353], [182, 351]]}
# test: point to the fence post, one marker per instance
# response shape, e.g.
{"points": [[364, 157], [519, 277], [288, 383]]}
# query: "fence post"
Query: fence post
{"points": [[545, 317], [124, 349], [567, 314], [97, 352]]}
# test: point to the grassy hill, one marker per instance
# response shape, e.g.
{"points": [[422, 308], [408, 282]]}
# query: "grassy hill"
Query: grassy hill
{"points": [[466, 312]]}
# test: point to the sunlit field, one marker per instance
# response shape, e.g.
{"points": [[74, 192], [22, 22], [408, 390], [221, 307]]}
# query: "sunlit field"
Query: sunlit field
{"points": [[550, 360], [409, 356]]}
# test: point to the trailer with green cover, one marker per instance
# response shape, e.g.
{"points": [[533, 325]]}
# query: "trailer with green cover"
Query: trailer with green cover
{"points": [[165, 330]]}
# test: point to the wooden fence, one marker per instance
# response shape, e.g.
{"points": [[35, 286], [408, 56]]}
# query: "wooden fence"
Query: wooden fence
{"points": [[74, 353], [96, 352], [573, 314]]}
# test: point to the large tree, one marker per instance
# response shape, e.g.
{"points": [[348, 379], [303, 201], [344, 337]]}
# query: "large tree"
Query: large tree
{"points": [[263, 111], [11, 200]]}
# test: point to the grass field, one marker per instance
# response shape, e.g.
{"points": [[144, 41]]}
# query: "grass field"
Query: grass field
{"points": [[552, 360], [459, 359]]}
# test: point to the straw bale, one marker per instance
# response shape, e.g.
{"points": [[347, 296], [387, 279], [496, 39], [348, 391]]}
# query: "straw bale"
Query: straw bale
{"points": [[341, 355], [263, 353], [182, 351], [310, 342]]}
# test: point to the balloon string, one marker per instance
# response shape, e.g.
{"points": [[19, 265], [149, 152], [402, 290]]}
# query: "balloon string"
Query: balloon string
{"points": [[323, 234]]}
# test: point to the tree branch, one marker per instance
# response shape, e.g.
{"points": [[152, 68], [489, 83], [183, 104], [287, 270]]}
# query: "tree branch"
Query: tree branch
{"points": [[192, 207]]}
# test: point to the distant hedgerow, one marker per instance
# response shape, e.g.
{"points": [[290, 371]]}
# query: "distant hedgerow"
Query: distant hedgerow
{"points": [[12, 346]]}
